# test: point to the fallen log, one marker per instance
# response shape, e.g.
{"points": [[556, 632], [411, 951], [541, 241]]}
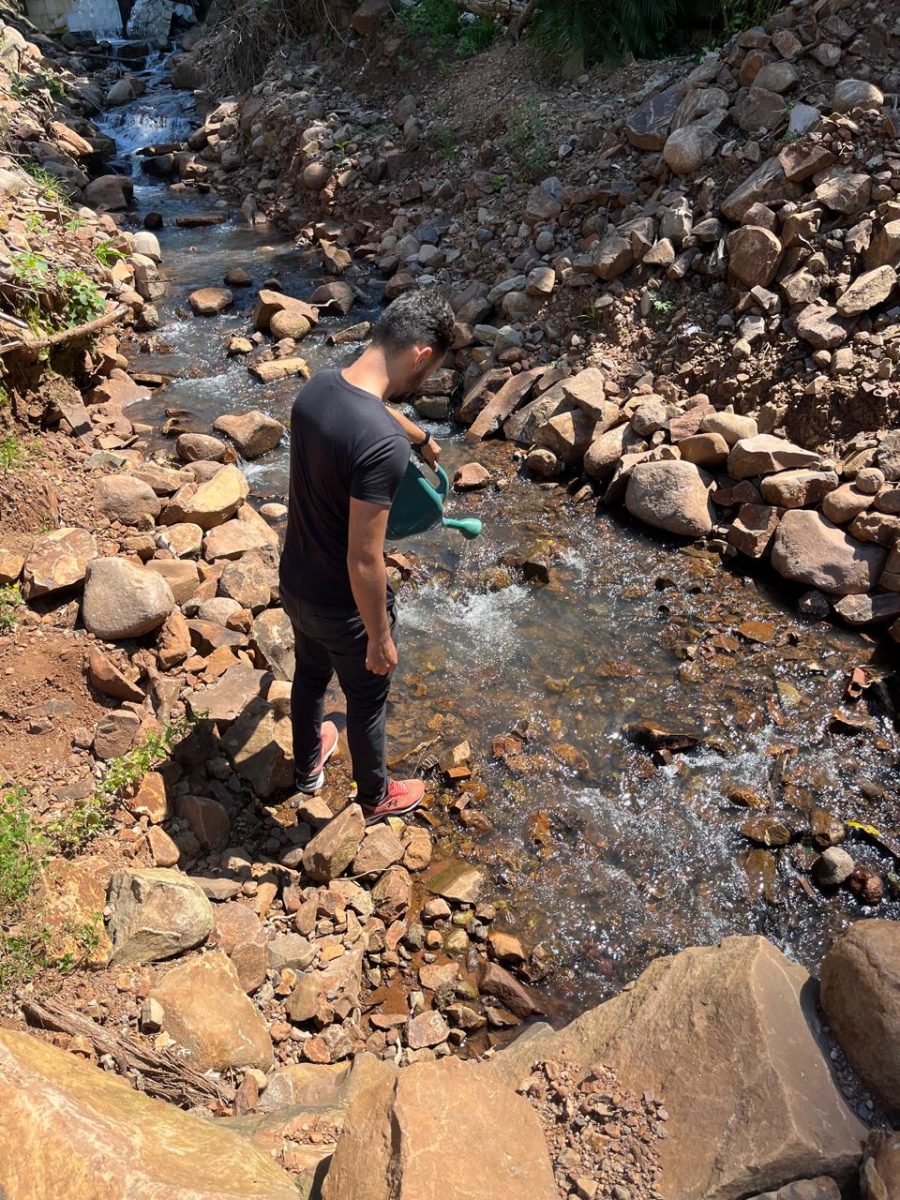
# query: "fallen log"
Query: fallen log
{"points": [[67, 335], [160, 1073]]}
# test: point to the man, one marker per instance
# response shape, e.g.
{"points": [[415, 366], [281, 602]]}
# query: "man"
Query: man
{"points": [[348, 455]]}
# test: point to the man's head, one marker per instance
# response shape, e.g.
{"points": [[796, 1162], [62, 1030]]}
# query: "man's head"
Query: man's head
{"points": [[414, 333]]}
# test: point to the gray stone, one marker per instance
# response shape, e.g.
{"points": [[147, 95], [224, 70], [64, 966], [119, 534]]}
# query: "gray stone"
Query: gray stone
{"points": [[156, 914], [122, 600]]}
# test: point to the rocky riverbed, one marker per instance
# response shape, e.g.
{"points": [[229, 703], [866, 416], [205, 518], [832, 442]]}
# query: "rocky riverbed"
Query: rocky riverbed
{"points": [[632, 746]]}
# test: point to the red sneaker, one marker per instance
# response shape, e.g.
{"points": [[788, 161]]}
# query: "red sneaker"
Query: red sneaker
{"points": [[313, 782], [403, 795]]}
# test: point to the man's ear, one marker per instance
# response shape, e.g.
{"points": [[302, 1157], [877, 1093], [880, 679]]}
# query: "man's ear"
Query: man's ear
{"points": [[424, 355]]}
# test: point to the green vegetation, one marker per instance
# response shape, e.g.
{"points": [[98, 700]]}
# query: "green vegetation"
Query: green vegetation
{"points": [[21, 852], [50, 186], [663, 308], [12, 454], [121, 778], [444, 141], [527, 141], [48, 301], [737, 15], [10, 603], [83, 301], [445, 27]]}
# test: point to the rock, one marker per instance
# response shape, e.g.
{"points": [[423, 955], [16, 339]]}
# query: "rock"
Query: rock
{"points": [[777, 77], [688, 148], [647, 126], [106, 678], [494, 980], [199, 447], [765, 454], [884, 248], [273, 636], [427, 1029], [338, 984], [126, 499], [796, 489], [208, 504], [280, 368], [454, 880], [259, 744], [156, 914], [753, 529], [380, 849], [208, 1013], [71, 895], [768, 184], [844, 191], [713, 1031], [501, 405], [855, 93], [833, 867], [73, 1130], [471, 477], [210, 301], [182, 577], [289, 324], [880, 1168], [822, 326], [207, 819], [753, 255], [731, 426], [867, 291], [845, 503], [408, 1136], [122, 600], [820, 1188], [649, 417], [611, 257], [759, 110], [230, 694], [335, 846], [860, 994], [370, 15], [605, 451], [671, 496], [868, 610], [115, 734], [809, 549], [109, 193], [567, 435], [801, 160], [57, 560], [233, 539]]}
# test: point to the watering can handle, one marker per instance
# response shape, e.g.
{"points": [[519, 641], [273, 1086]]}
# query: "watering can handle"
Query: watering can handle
{"points": [[443, 483]]}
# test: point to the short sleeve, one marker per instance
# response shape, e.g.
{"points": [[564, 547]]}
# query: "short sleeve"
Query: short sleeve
{"points": [[379, 470]]}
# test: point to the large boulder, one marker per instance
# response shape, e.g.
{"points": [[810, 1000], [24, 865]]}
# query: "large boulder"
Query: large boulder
{"points": [[57, 560], [765, 454], [206, 1011], [122, 600], [860, 979], [717, 1031], [254, 433], [409, 1136], [809, 549], [211, 503], [127, 499], [156, 914], [670, 495], [75, 1132], [110, 193], [648, 125]]}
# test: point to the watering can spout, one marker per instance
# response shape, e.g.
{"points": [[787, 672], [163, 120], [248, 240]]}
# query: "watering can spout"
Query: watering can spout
{"points": [[469, 527]]}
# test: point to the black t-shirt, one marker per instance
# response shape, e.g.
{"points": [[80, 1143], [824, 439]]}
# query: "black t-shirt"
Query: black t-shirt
{"points": [[344, 443]]}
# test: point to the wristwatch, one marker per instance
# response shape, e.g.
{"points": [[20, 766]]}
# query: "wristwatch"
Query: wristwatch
{"points": [[426, 438]]}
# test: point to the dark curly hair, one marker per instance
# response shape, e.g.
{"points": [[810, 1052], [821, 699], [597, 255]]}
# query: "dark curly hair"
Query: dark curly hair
{"points": [[417, 318]]}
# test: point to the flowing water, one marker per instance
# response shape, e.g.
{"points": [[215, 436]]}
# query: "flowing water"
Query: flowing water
{"points": [[604, 854]]}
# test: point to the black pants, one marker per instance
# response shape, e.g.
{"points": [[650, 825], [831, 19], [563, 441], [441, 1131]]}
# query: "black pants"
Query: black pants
{"points": [[328, 641]]}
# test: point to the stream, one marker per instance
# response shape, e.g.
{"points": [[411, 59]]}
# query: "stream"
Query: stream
{"points": [[605, 855]]}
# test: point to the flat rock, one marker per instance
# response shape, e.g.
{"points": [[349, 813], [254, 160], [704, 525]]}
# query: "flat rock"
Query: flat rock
{"points": [[335, 846], [227, 698], [731, 426], [122, 600], [671, 496], [765, 454], [867, 291], [208, 1013], [496, 981], [809, 549], [156, 914], [57, 560], [210, 301], [713, 1031], [380, 849], [648, 125], [254, 433], [767, 184], [454, 880], [210, 503], [860, 990], [76, 1132], [796, 489], [408, 1136]]}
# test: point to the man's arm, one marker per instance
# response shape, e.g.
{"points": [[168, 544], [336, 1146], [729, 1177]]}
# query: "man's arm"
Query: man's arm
{"points": [[429, 448], [368, 581]]}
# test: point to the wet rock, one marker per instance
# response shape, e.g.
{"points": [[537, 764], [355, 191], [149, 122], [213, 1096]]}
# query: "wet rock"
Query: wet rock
{"points": [[271, 302], [833, 867], [430, 1158], [453, 879], [717, 1030], [670, 496], [471, 477], [766, 831], [253, 433], [543, 464], [868, 610], [506, 948], [65, 1119], [199, 447], [122, 600], [156, 914], [860, 994], [825, 829], [57, 560], [494, 980], [335, 846], [207, 1012], [809, 549], [126, 499], [765, 454], [280, 368], [210, 301], [866, 885]]}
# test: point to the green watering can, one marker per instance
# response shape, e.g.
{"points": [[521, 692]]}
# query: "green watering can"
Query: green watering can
{"points": [[419, 506]]}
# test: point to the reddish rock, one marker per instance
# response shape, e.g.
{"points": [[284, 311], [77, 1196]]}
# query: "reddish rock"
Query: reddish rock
{"points": [[753, 255]]}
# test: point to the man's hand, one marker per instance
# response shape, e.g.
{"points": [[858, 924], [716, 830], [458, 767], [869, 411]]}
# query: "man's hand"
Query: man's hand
{"points": [[381, 656], [431, 452]]}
